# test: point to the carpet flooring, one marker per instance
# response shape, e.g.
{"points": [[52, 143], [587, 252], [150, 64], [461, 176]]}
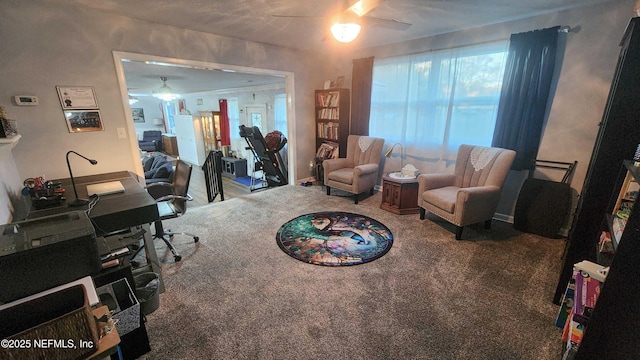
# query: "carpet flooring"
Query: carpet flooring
{"points": [[236, 295]]}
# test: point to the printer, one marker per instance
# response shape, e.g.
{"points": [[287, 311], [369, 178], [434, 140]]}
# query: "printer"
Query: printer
{"points": [[41, 253]]}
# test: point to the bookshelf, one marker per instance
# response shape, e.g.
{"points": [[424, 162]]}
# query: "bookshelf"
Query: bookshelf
{"points": [[333, 110], [612, 330]]}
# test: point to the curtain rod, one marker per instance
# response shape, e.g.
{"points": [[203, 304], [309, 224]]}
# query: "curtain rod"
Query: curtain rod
{"points": [[563, 29]]}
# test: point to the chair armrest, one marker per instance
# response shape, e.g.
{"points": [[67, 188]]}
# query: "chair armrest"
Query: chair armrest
{"points": [[174, 197], [434, 181], [365, 169], [330, 165], [486, 194]]}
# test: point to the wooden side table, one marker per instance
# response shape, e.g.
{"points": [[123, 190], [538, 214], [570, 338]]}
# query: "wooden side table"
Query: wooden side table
{"points": [[399, 196]]}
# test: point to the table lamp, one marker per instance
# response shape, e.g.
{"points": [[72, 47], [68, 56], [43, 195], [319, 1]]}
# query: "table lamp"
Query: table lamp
{"points": [[77, 202]]}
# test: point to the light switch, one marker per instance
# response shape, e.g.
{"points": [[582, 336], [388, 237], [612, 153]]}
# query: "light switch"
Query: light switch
{"points": [[122, 133]]}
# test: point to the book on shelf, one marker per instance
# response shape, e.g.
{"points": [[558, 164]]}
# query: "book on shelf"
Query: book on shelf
{"points": [[328, 130], [328, 99]]}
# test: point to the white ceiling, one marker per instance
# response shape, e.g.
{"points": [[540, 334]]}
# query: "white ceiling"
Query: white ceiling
{"points": [[253, 20]]}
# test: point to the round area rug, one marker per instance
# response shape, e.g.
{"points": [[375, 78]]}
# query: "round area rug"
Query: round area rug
{"points": [[334, 238]]}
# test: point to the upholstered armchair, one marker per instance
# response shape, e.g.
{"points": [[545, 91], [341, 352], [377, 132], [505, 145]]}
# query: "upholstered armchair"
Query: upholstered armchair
{"points": [[358, 171], [151, 140], [470, 195]]}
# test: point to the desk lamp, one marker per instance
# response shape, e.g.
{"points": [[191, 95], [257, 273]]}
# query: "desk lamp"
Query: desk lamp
{"points": [[77, 202]]}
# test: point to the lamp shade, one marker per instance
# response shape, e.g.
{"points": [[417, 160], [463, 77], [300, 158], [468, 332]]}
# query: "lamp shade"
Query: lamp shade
{"points": [[165, 92], [345, 32]]}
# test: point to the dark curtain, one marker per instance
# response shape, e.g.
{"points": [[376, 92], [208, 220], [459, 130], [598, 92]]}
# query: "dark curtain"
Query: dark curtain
{"points": [[525, 92], [225, 134], [361, 80]]}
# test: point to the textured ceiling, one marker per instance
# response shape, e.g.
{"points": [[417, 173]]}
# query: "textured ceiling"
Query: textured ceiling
{"points": [[254, 20]]}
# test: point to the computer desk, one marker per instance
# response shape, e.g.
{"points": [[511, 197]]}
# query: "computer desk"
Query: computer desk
{"points": [[133, 208]]}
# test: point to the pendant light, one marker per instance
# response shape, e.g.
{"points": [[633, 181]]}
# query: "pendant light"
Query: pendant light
{"points": [[345, 32], [165, 92]]}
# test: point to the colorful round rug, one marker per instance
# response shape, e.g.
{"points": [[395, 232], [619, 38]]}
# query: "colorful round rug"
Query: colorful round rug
{"points": [[334, 238]]}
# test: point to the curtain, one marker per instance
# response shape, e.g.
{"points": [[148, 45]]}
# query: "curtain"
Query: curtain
{"points": [[361, 79], [525, 94], [225, 136]]}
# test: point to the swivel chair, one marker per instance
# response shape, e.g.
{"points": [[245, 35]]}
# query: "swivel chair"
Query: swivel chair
{"points": [[172, 203]]}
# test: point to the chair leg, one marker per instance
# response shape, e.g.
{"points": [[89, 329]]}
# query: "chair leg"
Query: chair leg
{"points": [[328, 190], [371, 191], [458, 232], [161, 234], [355, 197], [423, 213]]}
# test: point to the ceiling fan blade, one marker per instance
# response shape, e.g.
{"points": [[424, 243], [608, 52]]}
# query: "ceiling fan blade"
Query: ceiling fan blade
{"points": [[364, 6], [385, 23], [297, 16]]}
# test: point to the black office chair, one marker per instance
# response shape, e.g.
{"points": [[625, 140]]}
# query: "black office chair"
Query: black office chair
{"points": [[172, 203]]}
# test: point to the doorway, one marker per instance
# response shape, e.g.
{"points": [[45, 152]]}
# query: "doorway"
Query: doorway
{"points": [[188, 65]]}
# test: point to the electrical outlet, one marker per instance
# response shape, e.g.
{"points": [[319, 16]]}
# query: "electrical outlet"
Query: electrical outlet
{"points": [[122, 133]]}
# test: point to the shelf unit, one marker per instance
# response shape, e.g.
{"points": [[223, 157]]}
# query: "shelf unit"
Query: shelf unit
{"points": [[617, 140], [612, 330], [333, 107]]}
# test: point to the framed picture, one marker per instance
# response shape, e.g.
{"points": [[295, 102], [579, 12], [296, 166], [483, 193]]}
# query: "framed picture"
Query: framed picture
{"points": [[138, 115], [83, 120], [77, 97]]}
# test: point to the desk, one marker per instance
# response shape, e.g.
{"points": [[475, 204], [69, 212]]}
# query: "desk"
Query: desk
{"points": [[132, 208]]}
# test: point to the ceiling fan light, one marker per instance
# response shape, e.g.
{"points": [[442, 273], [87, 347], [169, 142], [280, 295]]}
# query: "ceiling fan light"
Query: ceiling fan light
{"points": [[165, 92], [345, 32]]}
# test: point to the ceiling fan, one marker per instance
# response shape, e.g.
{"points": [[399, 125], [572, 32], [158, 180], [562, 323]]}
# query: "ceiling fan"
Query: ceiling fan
{"points": [[347, 23]]}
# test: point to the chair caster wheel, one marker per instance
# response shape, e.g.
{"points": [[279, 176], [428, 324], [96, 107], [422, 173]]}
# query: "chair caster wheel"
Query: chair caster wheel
{"points": [[134, 264], [177, 258], [196, 239]]}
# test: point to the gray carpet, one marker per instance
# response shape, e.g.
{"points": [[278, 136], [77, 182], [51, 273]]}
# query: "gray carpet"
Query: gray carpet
{"points": [[236, 295]]}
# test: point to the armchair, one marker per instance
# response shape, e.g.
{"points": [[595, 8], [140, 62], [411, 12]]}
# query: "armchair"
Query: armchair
{"points": [[358, 171], [151, 140], [470, 195]]}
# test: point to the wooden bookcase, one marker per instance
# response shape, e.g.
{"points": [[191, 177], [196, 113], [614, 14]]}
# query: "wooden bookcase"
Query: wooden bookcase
{"points": [[612, 330], [617, 140], [333, 109]]}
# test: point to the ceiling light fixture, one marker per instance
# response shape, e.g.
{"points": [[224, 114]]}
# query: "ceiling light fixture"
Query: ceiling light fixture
{"points": [[165, 92], [345, 32]]}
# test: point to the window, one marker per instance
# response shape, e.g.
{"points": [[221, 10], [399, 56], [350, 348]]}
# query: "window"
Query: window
{"points": [[433, 102], [234, 118], [280, 112]]}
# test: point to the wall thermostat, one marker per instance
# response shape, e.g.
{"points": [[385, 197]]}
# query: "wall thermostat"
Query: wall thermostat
{"points": [[26, 100]]}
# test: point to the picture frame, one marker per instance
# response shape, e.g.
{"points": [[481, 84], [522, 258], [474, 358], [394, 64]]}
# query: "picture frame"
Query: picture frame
{"points": [[83, 120], [138, 115], [77, 97]]}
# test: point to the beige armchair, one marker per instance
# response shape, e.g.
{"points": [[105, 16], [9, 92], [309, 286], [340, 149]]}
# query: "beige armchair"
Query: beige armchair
{"points": [[358, 171], [470, 195]]}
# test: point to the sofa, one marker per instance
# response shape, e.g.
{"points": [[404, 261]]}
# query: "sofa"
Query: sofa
{"points": [[151, 141], [157, 169]]}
